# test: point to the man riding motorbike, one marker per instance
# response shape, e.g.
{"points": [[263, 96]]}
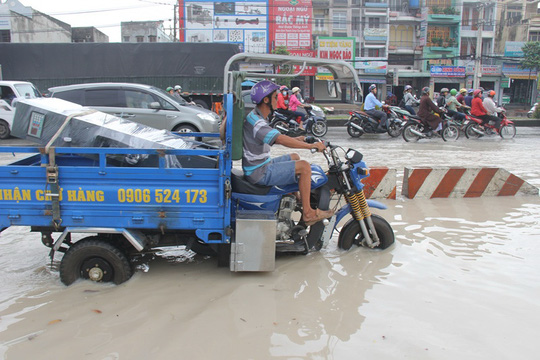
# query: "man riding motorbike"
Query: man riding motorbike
{"points": [[409, 100], [426, 110], [260, 168], [453, 105], [369, 108], [478, 110]]}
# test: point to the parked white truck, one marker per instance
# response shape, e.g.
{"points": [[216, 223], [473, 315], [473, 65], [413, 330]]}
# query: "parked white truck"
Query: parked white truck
{"points": [[10, 92]]}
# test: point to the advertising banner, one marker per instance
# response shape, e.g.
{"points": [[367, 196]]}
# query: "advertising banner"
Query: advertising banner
{"points": [[371, 67], [290, 23], [512, 70], [447, 71], [336, 48], [513, 48], [243, 23], [309, 70]]}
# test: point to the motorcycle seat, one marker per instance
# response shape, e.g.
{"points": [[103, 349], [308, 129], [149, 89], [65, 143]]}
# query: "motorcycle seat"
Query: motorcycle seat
{"points": [[361, 113], [242, 186]]}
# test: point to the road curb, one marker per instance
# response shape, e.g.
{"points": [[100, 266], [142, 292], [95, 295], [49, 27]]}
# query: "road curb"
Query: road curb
{"points": [[460, 182]]}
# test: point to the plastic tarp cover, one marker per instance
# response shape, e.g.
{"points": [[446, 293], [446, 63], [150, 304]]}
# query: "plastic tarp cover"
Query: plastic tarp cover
{"points": [[38, 120]]}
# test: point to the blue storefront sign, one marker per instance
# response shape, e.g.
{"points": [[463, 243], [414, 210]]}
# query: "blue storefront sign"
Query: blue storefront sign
{"points": [[447, 71]]}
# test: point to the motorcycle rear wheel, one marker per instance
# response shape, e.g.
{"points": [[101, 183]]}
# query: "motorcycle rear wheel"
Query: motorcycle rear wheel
{"points": [[352, 234], [354, 132], [507, 131], [394, 130], [470, 132], [450, 133], [408, 135], [319, 128]]}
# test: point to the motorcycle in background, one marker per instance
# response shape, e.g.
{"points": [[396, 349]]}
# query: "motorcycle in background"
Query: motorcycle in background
{"points": [[416, 129], [315, 123], [361, 123], [477, 128]]}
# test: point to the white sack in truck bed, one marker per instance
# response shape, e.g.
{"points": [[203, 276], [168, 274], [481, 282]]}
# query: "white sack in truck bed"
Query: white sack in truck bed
{"points": [[38, 120]]}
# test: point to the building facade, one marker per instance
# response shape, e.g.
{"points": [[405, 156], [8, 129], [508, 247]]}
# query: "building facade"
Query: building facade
{"points": [[143, 31]]}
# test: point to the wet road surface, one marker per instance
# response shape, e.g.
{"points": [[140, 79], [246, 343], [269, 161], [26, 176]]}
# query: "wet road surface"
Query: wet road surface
{"points": [[460, 282]]}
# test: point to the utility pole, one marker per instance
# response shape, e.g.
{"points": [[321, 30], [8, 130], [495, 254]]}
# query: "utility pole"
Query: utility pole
{"points": [[175, 9], [478, 60]]}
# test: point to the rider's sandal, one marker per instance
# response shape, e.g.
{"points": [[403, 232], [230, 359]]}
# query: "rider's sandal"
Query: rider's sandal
{"points": [[320, 215]]}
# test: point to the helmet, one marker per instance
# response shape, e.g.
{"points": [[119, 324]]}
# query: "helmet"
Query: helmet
{"points": [[295, 89], [371, 87], [463, 91], [177, 87], [444, 90], [470, 91], [283, 87], [261, 90], [491, 93], [408, 87], [453, 92], [476, 92], [425, 90], [169, 89]]}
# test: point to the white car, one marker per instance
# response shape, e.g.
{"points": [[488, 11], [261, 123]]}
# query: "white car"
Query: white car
{"points": [[6, 119], [10, 92], [531, 112]]}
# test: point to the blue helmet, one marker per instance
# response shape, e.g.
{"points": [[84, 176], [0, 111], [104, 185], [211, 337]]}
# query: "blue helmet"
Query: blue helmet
{"points": [[261, 90]]}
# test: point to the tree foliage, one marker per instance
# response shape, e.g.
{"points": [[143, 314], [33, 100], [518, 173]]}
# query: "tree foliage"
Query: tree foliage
{"points": [[531, 56], [286, 69]]}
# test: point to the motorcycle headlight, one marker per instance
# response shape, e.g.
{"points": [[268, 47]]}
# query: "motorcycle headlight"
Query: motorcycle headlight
{"points": [[354, 156]]}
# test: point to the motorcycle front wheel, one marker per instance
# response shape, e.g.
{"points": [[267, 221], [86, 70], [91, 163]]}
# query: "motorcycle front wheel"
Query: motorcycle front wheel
{"points": [[409, 135], [507, 131], [352, 234], [319, 128], [394, 130], [473, 130], [450, 133]]}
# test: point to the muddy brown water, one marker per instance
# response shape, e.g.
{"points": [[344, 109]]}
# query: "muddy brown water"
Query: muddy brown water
{"points": [[461, 282]]}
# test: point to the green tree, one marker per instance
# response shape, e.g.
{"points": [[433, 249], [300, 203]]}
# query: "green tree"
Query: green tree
{"points": [[285, 69], [531, 60]]}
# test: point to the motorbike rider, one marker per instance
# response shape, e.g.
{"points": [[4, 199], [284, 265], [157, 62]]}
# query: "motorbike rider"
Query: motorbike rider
{"points": [[369, 108], [478, 110], [259, 168], [170, 90], [452, 105], [490, 105], [178, 91], [409, 100], [294, 103], [441, 100], [469, 97], [461, 97], [426, 110]]}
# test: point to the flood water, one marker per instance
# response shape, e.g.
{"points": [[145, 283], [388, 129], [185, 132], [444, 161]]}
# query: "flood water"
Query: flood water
{"points": [[461, 282]]}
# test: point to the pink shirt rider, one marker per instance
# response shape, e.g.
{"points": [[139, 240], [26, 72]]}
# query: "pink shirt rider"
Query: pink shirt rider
{"points": [[293, 102]]}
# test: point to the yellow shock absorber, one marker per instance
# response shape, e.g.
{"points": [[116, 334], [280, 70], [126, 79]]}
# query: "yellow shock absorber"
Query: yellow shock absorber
{"points": [[356, 208], [363, 203]]}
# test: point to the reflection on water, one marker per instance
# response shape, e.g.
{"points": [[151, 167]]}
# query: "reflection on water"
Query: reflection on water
{"points": [[462, 274]]}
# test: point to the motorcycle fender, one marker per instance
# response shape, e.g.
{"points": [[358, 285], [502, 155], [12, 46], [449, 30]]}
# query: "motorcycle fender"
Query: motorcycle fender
{"points": [[345, 210]]}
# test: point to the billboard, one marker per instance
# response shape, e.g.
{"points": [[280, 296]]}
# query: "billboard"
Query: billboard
{"points": [[447, 71], [513, 48], [240, 22], [290, 24]]}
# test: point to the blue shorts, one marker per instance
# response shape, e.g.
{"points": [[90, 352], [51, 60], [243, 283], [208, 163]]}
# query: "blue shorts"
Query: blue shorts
{"points": [[280, 171]]}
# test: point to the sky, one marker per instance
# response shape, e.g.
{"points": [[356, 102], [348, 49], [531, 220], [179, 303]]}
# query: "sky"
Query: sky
{"points": [[106, 15]]}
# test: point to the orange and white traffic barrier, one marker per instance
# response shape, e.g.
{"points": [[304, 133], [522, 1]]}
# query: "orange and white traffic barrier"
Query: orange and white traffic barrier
{"points": [[380, 184], [457, 182]]}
